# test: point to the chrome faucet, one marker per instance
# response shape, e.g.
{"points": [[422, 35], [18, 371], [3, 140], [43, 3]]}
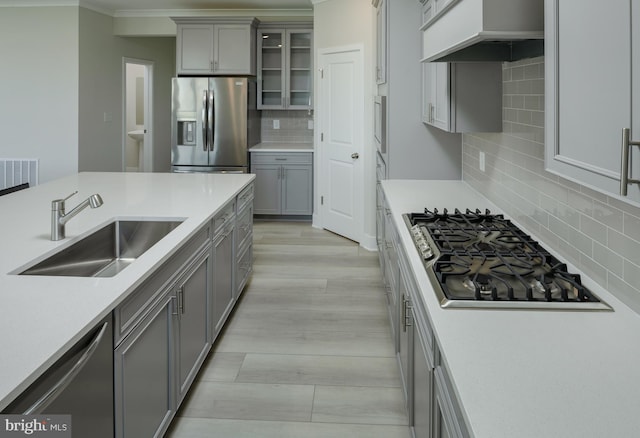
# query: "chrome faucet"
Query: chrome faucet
{"points": [[59, 218]]}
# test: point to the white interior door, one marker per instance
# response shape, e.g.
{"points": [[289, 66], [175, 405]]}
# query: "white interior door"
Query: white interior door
{"points": [[137, 115], [341, 141]]}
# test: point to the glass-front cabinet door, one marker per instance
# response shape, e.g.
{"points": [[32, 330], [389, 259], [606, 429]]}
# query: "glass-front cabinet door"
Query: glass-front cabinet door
{"points": [[285, 67], [271, 60], [299, 69]]}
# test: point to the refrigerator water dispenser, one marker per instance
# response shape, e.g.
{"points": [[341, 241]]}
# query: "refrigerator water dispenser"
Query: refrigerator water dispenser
{"points": [[187, 132]]}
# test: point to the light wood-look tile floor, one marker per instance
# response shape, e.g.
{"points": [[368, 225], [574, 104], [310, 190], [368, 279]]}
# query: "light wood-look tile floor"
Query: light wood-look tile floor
{"points": [[307, 351]]}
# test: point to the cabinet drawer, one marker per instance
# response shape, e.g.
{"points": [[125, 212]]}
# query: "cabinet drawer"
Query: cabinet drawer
{"points": [[134, 308], [224, 216], [245, 197], [279, 158]]}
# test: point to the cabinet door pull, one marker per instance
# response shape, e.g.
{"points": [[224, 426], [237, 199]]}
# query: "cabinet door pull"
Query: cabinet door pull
{"points": [[181, 300], [625, 178], [174, 300]]}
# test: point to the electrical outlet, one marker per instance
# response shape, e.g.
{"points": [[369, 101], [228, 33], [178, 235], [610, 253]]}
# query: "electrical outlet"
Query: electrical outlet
{"points": [[108, 117], [276, 124], [481, 159]]}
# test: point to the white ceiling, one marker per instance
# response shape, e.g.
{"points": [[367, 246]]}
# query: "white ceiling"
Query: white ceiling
{"points": [[122, 7]]}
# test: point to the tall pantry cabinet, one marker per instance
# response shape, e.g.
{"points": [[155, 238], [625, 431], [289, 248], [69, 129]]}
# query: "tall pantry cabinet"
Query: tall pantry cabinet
{"points": [[414, 150]]}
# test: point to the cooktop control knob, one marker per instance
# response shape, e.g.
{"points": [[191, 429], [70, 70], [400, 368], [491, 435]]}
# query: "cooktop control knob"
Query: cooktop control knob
{"points": [[421, 243]]}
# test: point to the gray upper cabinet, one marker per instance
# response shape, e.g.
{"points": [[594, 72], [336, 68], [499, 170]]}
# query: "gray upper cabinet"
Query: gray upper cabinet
{"points": [[459, 97], [381, 40], [463, 96], [206, 46], [285, 66], [592, 92]]}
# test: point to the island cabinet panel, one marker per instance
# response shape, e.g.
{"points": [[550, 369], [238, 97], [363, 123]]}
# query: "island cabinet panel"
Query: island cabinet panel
{"points": [[244, 240], [128, 314], [193, 339], [223, 276], [144, 395], [166, 328], [162, 339]]}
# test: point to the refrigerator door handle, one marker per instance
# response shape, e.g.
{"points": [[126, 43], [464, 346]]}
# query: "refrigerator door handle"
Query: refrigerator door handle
{"points": [[204, 120], [210, 120]]}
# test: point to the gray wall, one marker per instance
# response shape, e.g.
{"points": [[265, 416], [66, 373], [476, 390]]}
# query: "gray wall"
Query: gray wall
{"points": [[101, 91], [62, 69], [39, 87], [599, 234]]}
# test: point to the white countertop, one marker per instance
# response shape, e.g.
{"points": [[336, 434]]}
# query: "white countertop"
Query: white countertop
{"points": [[529, 373], [282, 147], [41, 317]]}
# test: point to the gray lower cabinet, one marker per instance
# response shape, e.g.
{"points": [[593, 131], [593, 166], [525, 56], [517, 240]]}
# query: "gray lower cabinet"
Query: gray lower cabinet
{"points": [[156, 363], [405, 339], [422, 383], [164, 330], [391, 273], [192, 331], [447, 419], [223, 286], [144, 392], [284, 183], [432, 408], [244, 240]]}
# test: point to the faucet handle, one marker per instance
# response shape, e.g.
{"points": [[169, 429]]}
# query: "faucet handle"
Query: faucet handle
{"points": [[58, 204]]}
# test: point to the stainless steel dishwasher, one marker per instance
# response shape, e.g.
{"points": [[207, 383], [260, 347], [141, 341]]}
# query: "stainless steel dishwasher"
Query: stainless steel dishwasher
{"points": [[79, 384]]}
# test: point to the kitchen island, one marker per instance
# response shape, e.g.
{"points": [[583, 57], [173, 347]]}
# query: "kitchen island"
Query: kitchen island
{"points": [[524, 373], [42, 316]]}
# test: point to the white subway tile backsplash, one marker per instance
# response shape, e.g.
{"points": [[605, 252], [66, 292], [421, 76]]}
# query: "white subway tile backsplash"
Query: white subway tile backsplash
{"points": [[598, 233], [294, 126], [594, 229], [609, 259]]}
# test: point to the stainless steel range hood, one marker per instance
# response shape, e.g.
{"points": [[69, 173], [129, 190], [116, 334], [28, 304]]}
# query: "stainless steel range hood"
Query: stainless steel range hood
{"points": [[485, 30]]}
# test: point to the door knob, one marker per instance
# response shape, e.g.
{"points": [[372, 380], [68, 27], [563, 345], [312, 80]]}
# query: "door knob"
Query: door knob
{"points": [[355, 155]]}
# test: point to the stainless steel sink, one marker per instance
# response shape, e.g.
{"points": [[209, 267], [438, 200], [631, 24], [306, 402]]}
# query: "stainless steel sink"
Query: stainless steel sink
{"points": [[105, 252]]}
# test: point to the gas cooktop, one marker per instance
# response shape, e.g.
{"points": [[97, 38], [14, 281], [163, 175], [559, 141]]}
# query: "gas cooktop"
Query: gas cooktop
{"points": [[478, 259]]}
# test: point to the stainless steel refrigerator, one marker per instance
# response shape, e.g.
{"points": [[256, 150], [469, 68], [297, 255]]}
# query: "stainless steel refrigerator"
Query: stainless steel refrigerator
{"points": [[214, 121]]}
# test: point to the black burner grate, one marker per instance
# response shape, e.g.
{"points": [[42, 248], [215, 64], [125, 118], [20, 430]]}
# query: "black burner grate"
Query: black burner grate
{"points": [[485, 257]]}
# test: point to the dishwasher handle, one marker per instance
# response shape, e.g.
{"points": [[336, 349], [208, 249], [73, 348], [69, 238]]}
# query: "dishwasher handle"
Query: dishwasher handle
{"points": [[56, 389]]}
